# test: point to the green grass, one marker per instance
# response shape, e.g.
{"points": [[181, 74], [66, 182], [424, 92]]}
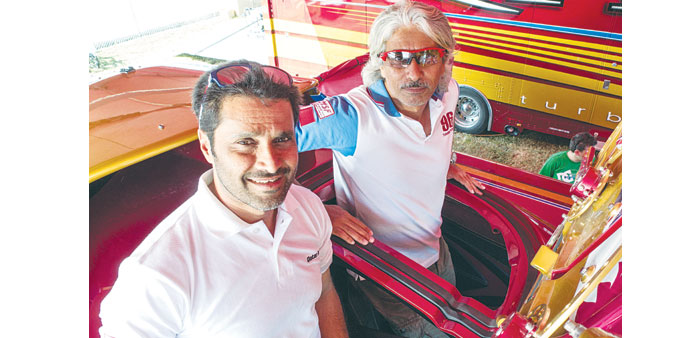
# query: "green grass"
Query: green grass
{"points": [[527, 151], [209, 60], [104, 62]]}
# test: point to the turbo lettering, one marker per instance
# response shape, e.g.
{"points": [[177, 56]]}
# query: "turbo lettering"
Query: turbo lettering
{"points": [[615, 118]]}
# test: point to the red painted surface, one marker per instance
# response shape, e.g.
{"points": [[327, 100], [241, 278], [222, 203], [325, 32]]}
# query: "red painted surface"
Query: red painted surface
{"points": [[130, 203], [505, 114], [516, 254], [606, 311], [545, 210], [404, 293]]}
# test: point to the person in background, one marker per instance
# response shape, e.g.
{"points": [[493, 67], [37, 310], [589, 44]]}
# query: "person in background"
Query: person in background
{"points": [[248, 254], [564, 165]]}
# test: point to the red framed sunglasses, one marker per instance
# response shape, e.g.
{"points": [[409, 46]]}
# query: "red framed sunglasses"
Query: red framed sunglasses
{"points": [[231, 74], [234, 73], [401, 58]]}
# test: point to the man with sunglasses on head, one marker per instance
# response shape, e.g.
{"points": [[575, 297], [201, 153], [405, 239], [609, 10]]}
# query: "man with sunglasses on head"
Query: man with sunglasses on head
{"points": [[392, 141], [248, 254]]}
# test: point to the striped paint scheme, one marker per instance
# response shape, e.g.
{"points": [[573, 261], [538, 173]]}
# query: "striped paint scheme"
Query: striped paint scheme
{"points": [[504, 59], [511, 186]]}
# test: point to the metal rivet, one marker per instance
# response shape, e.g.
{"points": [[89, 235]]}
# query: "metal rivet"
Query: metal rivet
{"points": [[586, 273]]}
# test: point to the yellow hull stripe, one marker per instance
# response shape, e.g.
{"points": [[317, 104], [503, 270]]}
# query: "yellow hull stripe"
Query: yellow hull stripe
{"points": [[318, 31], [344, 10], [315, 55], [352, 13], [553, 61], [594, 54], [537, 72], [531, 37], [105, 168], [548, 53]]}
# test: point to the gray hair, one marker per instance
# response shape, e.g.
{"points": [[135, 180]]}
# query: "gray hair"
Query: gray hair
{"points": [[428, 19], [207, 97]]}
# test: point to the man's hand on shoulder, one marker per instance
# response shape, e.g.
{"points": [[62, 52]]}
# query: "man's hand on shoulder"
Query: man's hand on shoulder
{"points": [[347, 227], [461, 176]]}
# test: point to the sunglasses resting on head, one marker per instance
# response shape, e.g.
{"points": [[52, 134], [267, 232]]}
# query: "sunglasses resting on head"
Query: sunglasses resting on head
{"points": [[226, 76]]}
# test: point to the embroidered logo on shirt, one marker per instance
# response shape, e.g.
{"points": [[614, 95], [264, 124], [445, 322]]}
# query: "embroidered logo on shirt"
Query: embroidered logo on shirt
{"points": [[447, 122], [323, 108], [313, 256]]}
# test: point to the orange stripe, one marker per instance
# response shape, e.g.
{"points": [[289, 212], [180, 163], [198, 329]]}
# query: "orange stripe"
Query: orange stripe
{"points": [[516, 184]]}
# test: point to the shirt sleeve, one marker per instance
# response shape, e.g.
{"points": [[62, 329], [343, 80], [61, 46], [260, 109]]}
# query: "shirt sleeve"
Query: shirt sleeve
{"points": [[326, 250], [451, 97], [142, 303], [328, 124]]}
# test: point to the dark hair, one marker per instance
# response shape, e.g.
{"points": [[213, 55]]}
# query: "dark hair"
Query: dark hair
{"points": [[581, 141], [256, 83]]}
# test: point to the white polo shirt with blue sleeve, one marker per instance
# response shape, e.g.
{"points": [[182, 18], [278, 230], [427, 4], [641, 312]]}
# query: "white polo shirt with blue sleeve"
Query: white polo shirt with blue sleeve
{"points": [[387, 172]]}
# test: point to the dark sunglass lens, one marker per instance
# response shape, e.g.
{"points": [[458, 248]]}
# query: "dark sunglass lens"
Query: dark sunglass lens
{"points": [[231, 75], [278, 75], [399, 58], [429, 57]]}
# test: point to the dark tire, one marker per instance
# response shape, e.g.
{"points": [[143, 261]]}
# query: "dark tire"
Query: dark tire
{"points": [[472, 114]]}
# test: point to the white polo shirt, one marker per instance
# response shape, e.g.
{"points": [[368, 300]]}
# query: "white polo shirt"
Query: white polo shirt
{"points": [[387, 172], [203, 272]]}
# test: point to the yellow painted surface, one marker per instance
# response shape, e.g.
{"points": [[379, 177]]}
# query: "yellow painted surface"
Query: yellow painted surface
{"points": [[544, 260], [346, 35], [299, 41], [482, 37], [135, 117], [131, 156], [549, 39], [571, 103], [352, 13], [570, 64], [533, 71]]}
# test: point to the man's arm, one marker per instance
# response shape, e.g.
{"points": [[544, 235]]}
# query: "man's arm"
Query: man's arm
{"points": [[329, 312], [328, 124], [347, 227], [142, 303], [464, 178], [333, 124]]}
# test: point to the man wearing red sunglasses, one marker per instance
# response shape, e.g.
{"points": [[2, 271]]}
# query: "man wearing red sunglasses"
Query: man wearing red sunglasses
{"points": [[248, 254], [392, 141]]}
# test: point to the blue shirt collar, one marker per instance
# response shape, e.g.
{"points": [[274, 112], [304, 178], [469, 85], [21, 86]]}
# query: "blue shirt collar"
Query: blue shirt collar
{"points": [[379, 94]]}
